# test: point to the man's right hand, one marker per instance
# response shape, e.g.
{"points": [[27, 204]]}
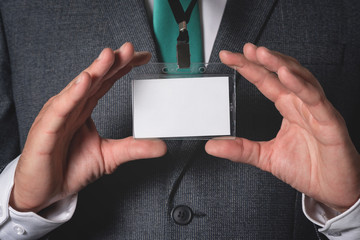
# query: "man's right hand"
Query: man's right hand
{"points": [[64, 152]]}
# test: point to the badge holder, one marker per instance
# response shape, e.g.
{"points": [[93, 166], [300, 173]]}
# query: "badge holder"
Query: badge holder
{"points": [[196, 103]]}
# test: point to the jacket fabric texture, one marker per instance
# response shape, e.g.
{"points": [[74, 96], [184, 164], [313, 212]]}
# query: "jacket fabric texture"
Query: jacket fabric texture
{"points": [[45, 44]]}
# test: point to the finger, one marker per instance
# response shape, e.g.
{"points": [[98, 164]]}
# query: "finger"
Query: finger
{"points": [[106, 86], [101, 65], [63, 104], [102, 69], [123, 56], [301, 88], [273, 61], [266, 81], [99, 68], [237, 150], [96, 70], [66, 101], [116, 152], [312, 96], [47, 126], [52, 118], [126, 56], [107, 64], [250, 52], [139, 58]]}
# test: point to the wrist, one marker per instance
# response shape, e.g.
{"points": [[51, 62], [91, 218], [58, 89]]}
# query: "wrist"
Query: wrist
{"points": [[344, 208], [343, 203], [18, 204]]}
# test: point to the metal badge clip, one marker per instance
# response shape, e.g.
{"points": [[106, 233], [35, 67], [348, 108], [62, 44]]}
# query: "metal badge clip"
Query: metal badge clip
{"points": [[182, 47]]}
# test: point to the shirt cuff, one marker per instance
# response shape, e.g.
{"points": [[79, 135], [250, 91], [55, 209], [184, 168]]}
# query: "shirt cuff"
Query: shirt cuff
{"points": [[334, 225], [29, 225]]}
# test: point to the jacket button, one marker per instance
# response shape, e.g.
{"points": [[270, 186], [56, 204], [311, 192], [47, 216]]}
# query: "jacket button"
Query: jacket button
{"points": [[182, 215]]}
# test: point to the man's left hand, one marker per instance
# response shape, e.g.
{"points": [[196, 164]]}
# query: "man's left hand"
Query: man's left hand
{"points": [[312, 151]]}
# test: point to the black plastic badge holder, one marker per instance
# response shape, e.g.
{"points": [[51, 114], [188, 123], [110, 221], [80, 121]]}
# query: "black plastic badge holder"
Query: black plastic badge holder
{"points": [[196, 103]]}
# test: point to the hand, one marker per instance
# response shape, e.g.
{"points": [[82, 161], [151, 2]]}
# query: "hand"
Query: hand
{"points": [[312, 150], [64, 152]]}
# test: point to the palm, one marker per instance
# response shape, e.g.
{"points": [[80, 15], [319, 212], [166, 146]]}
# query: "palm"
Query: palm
{"points": [[295, 156], [85, 160]]}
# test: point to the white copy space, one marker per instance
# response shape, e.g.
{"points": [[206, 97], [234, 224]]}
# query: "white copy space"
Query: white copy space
{"points": [[181, 107]]}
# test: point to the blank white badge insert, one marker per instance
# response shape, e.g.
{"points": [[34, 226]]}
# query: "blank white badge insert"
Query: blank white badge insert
{"points": [[181, 107]]}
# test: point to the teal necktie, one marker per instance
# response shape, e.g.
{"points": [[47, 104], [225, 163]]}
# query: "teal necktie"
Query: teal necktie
{"points": [[167, 30]]}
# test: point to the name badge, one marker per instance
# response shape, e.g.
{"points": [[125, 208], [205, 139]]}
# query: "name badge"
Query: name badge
{"points": [[175, 104], [181, 107]]}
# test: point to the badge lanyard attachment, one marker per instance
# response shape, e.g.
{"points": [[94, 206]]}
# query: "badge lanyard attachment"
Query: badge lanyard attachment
{"points": [[182, 18]]}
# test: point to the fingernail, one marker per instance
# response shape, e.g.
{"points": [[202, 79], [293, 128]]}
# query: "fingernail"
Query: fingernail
{"points": [[78, 80], [225, 51], [265, 49], [101, 54], [123, 46], [251, 44]]}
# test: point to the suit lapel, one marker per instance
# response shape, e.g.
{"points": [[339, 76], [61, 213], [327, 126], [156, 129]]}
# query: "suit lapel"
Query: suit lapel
{"points": [[128, 21], [242, 22]]}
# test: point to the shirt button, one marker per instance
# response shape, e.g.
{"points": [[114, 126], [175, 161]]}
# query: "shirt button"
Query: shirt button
{"points": [[182, 215], [19, 230]]}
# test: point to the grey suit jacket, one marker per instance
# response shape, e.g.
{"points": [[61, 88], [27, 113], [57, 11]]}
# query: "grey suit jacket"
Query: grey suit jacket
{"points": [[45, 44]]}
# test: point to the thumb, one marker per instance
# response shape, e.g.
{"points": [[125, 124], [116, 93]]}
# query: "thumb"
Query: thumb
{"points": [[120, 151], [236, 150]]}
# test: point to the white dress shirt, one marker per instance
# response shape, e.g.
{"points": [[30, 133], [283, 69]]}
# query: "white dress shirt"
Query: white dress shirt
{"points": [[19, 225]]}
